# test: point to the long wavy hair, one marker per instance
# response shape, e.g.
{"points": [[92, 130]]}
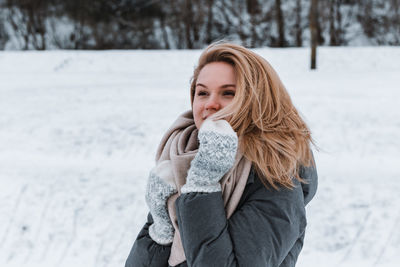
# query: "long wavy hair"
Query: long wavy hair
{"points": [[271, 132]]}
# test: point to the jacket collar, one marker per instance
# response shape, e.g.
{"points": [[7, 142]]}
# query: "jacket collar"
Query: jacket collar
{"points": [[250, 179]]}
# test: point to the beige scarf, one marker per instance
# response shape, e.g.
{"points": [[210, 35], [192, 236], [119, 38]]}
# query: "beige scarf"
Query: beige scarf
{"points": [[180, 145]]}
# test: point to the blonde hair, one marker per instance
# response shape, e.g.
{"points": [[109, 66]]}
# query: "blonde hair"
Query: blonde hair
{"points": [[271, 132]]}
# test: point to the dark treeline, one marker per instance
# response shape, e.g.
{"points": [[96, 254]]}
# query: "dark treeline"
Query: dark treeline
{"points": [[181, 24]]}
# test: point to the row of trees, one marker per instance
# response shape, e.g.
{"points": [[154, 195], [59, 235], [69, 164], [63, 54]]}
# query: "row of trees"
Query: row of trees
{"points": [[178, 24]]}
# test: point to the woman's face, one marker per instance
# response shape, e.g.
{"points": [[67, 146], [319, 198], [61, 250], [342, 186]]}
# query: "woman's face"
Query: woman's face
{"points": [[215, 89]]}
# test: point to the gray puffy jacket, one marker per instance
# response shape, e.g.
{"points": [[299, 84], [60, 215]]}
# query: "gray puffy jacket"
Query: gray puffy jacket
{"points": [[266, 230]]}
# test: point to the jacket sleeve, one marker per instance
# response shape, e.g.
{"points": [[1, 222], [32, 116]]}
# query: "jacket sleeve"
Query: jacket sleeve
{"points": [[309, 174], [291, 258], [261, 232], [146, 252]]}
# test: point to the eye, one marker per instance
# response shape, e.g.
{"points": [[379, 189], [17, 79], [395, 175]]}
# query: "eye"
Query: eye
{"points": [[229, 93], [201, 93]]}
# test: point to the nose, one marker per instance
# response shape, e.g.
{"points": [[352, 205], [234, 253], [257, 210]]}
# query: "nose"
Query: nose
{"points": [[213, 103]]}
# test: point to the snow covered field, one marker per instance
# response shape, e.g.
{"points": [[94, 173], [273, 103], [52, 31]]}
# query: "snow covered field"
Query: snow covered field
{"points": [[79, 130]]}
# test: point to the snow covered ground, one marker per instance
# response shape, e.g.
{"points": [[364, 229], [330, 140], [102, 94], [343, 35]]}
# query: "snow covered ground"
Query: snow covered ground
{"points": [[79, 130]]}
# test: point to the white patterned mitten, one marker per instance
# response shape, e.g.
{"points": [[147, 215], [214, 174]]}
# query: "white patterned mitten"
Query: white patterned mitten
{"points": [[215, 157], [160, 186]]}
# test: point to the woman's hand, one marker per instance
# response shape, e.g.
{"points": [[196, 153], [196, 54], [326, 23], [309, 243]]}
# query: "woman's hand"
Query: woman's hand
{"points": [[160, 187], [215, 157]]}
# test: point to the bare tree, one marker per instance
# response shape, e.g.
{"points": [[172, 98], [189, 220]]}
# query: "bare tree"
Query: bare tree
{"points": [[188, 22], [155, 24], [280, 22], [336, 26], [298, 24], [4, 37], [28, 18], [313, 32], [396, 20], [332, 31], [254, 10], [210, 21]]}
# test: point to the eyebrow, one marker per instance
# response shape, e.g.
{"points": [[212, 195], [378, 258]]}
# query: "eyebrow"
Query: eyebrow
{"points": [[223, 86]]}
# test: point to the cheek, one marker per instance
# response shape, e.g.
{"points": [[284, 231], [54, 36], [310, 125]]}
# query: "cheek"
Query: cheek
{"points": [[197, 107], [197, 112], [226, 102]]}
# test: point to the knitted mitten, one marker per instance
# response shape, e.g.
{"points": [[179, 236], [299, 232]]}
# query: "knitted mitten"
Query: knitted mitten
{"points": [[216, 155], [160, 187]]}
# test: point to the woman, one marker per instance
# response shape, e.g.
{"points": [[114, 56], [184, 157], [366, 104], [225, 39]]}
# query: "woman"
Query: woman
{"points": [[233, 175]]}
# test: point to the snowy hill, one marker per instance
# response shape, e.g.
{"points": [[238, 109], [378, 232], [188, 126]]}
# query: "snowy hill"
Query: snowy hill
{"points": [[79, 130]]}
